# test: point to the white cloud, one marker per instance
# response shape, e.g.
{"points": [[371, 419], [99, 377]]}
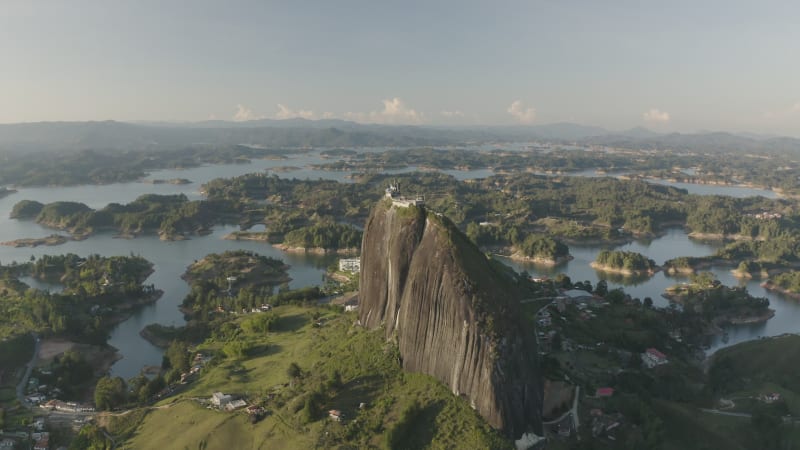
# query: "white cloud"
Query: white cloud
{"points": [[784, 113], [244, 114], [394, 111], [655, 116], [521, 113], [286, 113], [451, 114]]}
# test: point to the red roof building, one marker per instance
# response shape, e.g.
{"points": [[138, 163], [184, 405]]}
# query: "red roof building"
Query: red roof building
{"points": [[604, 392]]}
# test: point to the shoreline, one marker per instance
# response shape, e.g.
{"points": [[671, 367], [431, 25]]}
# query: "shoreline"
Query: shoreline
{"points": [[770, 286], [316, 250], [49, 241], [519, 257], [605, 268]]}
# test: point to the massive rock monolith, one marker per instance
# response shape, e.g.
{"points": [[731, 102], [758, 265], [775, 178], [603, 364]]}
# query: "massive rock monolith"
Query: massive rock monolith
{"points": [[454, 313]]}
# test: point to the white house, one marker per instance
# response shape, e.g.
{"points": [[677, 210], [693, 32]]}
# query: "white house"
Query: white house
{"points": [[219, 399], [352, 265], [652, 357]]}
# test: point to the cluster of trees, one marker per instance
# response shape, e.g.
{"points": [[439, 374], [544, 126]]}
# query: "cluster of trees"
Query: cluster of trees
{"points": [[780, 250], [113, 392], [538, 246], [104, 167], [328, 235], [715, 214], [711, 299], [103, 281], [70, 373], [110, 393], [625, 260], [26, 209], [165, 214], [256, 278], [789, 281], [95, 275], [15, 350]]}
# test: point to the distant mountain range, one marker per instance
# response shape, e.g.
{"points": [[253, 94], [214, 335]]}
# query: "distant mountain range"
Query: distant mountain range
{"points": [[124, 136]]}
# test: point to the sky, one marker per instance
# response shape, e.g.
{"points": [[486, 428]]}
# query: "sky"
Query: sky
{"points": [[669, 65]]}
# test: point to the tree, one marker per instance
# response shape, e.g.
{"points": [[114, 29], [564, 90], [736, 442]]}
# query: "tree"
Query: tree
{"points": [[563, 281], [294, 371], [177, 355], [602, 288], [109, 392]]}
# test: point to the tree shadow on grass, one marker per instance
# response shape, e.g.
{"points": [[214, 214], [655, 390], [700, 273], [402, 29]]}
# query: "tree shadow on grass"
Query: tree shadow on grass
{"points": [[416, 428], [265, 349], [289, 323]]}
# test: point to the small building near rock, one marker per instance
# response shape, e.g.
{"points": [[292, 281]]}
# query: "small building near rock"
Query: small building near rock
{"points": [[219, 399], [351, 265]]}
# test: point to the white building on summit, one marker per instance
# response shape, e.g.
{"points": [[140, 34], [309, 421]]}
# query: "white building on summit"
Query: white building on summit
{"points": [[393, 192]]}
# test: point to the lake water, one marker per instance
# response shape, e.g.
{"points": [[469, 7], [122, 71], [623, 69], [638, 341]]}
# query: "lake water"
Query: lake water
{"points": [[171, 258], [673, 244]]}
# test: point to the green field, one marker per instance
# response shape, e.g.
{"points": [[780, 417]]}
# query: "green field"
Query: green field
{"points": [[343, 366]]}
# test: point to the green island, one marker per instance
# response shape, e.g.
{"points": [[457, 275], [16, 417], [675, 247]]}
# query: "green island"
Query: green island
{"points": [[541, 249], [787, 283], [319, 237], [175, 181], [624, 262], [172, 217], [231, 281], [53, 239], [717, 303]]}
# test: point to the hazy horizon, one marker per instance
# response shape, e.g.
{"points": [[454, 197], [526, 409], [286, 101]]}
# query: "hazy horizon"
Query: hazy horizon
{"points": [[677, 67]]}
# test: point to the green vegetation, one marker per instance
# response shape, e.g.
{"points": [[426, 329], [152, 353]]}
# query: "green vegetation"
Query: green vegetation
{"points": [[747, 372], [788, 282], [109, 393], [26, 209], [104, 167], [617, 260], [328, 236], [171, 216], [231, 281], [297, 372], [15, 352], [98, 293], [710, 299], [543, 247]]}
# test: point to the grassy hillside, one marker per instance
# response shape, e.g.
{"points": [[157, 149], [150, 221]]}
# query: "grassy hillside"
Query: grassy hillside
{"points": [[759, 367], [342, 366]]}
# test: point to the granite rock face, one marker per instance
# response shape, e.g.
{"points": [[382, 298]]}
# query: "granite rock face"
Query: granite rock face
{"points": [[453, 313]]}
